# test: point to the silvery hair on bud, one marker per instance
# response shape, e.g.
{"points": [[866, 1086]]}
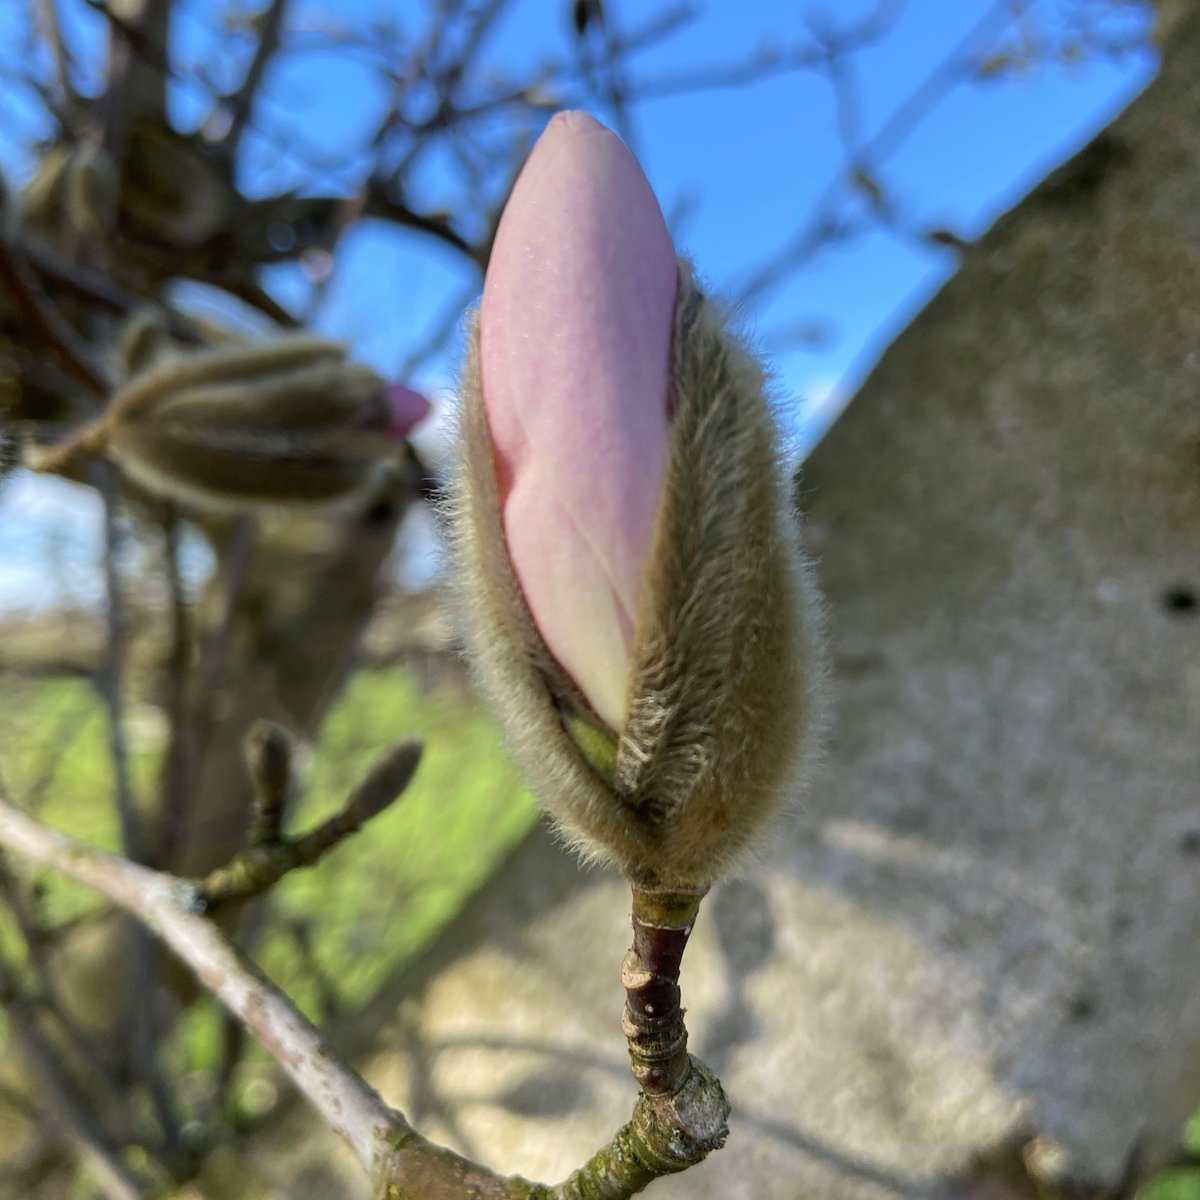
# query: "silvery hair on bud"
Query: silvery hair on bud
{"points": [[725, 705], [282, 422]]}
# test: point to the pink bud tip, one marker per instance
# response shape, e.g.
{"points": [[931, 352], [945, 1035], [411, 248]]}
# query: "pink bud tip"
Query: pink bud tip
{"points": [[405, 408], [575, 341]]}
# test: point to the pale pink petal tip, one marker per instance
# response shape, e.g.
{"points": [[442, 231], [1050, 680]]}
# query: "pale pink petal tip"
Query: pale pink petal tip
{"points": [[575, 337], [406, 408]]}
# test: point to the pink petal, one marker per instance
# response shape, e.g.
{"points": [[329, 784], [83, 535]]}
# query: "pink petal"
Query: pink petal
{"points": [[406, 408], [575, 339]]}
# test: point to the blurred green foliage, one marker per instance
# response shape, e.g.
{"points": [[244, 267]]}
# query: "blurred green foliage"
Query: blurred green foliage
{"points": [[1179, 1183]]}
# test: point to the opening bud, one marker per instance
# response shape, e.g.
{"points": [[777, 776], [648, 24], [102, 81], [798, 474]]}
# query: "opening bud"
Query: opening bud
{"points": [[636, 600]]}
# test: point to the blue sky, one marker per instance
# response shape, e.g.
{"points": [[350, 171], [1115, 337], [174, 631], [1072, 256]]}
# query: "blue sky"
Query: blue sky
{"points": [[738, 169]]}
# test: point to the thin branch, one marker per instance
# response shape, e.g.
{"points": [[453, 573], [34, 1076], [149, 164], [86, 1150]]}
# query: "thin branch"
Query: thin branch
{"points": [[180, 753], [51, 27], [38, 941], [241, 102], [138, 68], [270, 857], [813, 235], [109, 678], [89, 1139], [670, 1129], [234, 558], [98, 288], [269, 760], [386, 201], [142, 1012], [45, 322], [168, 905]]}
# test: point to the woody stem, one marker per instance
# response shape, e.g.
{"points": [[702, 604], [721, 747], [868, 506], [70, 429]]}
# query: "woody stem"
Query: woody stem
{"points": [[653, 1016]]}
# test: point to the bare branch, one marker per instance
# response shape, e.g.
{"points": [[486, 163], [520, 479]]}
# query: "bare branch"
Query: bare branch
{"points": [[138, 67], [820, 230], [180, 751], [51, 28], [386, 200], [675, 1123], [270, 857], [142, 1010], [89, 1139], [168, 905], [38, 942], [108, 678], [44, 321], [677, 1089], [99, 289], [240, 104]]}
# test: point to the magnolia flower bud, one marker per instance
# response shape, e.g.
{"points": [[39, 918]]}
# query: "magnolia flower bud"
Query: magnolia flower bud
{"points": [[636, 600], [284, 422]]}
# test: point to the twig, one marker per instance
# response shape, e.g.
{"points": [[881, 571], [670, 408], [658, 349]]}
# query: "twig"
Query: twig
{"points": [[681, 1115], [51, 27], [180, 753], [89, 1139], [270, 856], [97, 288], [235, 558], [269, 759], [241, 102], [385, 200], [38, 939], [108, 678], [45, 322], [142, 1013], [138, 68], [653, 1018], [910, 113]]}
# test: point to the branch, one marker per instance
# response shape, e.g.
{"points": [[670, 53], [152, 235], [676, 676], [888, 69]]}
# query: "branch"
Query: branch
{"points": [[673, 1126], [51, 27], [90, 1140], [99, 288], [108, 678], [681, 1115], [385, 202], [270, 856], [87, 1049], [911, 112], [168, 905], [180, 753], [45, 322], [141, 1011], [241, 102], [138, 67]]}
